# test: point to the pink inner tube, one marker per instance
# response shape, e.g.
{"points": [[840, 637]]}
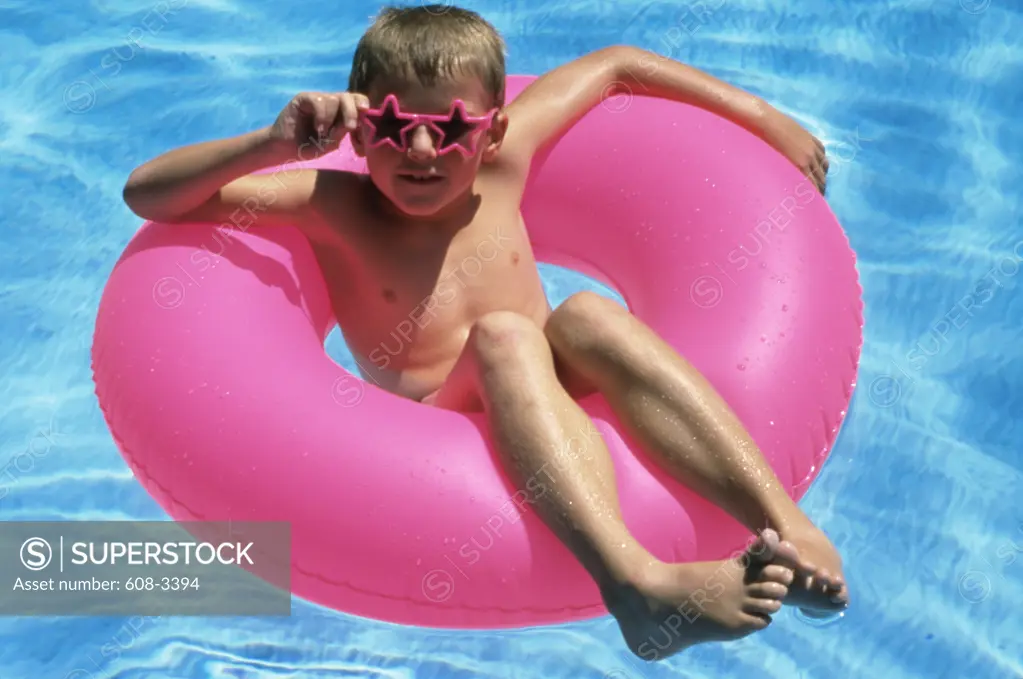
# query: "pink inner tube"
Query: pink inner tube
{"points": [[210, 369]]}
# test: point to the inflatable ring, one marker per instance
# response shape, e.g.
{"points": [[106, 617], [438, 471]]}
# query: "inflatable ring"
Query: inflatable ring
{"points": [[210, 368]]}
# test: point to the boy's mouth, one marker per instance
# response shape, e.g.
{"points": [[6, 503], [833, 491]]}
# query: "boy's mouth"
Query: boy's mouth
{"points": [[421, 177]]}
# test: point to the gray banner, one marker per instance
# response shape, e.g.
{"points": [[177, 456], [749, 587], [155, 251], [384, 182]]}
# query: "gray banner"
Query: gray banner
{"points": [[145, 568]]}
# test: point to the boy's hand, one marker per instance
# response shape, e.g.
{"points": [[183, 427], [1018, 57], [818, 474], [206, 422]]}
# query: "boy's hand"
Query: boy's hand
{"points": [[795, 143], [318, 119]]}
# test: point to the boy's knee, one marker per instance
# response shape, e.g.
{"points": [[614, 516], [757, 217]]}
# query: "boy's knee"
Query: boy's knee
{"points": [[584, 317], [503, 335], [586, 303]]}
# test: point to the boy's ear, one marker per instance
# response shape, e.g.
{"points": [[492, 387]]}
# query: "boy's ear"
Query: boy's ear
{"points": [[496, 135]]}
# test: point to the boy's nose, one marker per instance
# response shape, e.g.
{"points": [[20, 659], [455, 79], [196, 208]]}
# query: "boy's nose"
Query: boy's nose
{"points": [[421, 146]]}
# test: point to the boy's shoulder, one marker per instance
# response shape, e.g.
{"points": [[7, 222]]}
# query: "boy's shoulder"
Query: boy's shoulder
{"points": [[336, 183], [339, 200]]}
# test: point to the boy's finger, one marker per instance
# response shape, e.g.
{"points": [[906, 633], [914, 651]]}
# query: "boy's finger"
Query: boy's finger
{"points": [[308, 112], [339, 126], [349, 111], [814, 174], [319, 113], [820, 176], [330, 114]]}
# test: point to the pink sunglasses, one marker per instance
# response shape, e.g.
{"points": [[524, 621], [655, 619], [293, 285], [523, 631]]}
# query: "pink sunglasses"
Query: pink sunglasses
{"points": [[388, 125]]}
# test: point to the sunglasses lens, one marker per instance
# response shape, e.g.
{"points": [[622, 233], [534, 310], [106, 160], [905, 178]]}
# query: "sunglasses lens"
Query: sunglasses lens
{"points": [[453, 131], [388, 126]]}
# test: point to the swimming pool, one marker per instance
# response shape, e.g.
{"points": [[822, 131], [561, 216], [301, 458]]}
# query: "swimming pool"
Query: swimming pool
{"points": [[915, 101]]}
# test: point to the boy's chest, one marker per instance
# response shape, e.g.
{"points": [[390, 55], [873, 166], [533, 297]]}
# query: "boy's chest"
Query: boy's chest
{"points": [[430, 293], [491, 267]]}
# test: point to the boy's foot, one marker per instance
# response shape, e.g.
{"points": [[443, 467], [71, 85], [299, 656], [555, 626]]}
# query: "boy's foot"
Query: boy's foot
{"points": [[819, 586], [670, 607]]}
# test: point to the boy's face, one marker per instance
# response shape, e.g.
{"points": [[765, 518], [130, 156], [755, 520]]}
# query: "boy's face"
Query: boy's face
{"points": [[419, 181]]}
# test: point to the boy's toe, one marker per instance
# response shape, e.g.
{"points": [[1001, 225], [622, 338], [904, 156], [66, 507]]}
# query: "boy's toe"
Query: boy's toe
{"points": [[779, 574], [768, 590], [757, 606]]}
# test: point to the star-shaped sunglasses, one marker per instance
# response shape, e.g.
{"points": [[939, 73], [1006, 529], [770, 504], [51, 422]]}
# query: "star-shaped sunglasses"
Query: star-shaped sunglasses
{"points": [[455, 131]]}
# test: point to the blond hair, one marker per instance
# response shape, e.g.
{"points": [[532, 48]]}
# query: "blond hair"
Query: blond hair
{"points": [[428, 44]]}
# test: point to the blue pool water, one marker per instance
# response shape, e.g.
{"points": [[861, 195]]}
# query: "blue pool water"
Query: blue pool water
{"points": [[918, 102]]}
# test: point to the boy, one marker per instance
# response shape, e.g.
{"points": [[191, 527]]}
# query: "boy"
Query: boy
{"points": [[434, 192]]}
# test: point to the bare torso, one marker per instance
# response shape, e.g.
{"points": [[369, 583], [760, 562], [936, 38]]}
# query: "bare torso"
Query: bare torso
{"points": [[406, 294]]}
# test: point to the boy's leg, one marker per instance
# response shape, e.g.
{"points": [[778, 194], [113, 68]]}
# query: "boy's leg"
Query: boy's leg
{"points": [[507, 368], [678, 418]]}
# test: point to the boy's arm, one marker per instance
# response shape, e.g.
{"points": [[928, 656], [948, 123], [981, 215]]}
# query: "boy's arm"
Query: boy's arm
{"points": [[557, 100], [213, 182]]}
